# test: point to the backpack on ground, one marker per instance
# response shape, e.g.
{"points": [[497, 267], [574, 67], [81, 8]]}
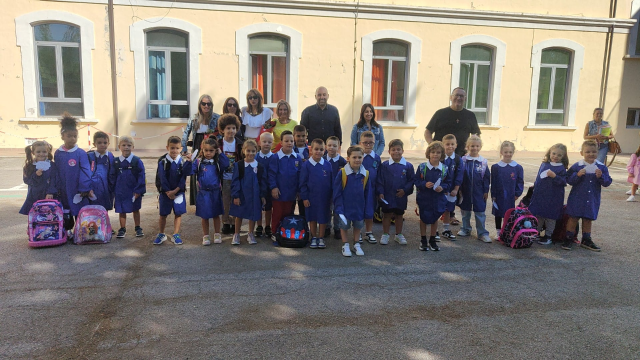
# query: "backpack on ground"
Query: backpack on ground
{"points": [[92, 226], [46, 224], [292, 232], [519, 229], [560, 231], [166, 164]]}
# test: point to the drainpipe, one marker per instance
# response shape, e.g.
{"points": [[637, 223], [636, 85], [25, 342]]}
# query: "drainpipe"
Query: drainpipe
{"points": [[114, 79], [606, 64]]}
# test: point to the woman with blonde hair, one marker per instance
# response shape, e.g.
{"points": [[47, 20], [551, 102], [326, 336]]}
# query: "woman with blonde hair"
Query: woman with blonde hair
{"points": [[283, 122], [254, 115]]}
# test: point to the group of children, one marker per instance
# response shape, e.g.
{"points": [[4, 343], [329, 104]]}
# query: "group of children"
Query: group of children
{"points": [[239, 180]]}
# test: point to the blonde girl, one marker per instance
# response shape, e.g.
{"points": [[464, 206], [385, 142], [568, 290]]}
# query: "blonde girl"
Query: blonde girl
{"points": [[37, 173]]}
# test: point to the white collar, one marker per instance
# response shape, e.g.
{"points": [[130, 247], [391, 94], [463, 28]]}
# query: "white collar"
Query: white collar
{"points": [[348, 170], [253, 164], [313, 162], [265, 156], [62, 148], [477, 158], [122, 158], [402, 161], [281, 154], [177, 160], [98, 155], [370, 154], [431, 167], [503, 164], [452, 156], [583, 163], [335, 158], [555, 164]]}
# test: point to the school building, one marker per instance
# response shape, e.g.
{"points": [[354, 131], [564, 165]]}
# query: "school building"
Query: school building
{"points": [[534, 69]]}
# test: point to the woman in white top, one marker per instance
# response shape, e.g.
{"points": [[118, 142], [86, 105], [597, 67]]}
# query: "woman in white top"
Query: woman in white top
{"points": [[254, 115]]}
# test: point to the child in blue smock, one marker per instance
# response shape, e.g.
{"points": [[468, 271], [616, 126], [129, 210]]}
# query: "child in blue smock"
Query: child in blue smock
{"points": [[586, 177], [248, 191], [547, 200], [207, 169], [284, 174], [474, 190], [394, 185], [37, 173], [102, 175], [337, 162], [173, 170], [301, 148], [371, 162], [352, 195], [316, 179], [264, 157], [454, 164], [432, 181], [72, 173], [507, 183], [130, 186]]}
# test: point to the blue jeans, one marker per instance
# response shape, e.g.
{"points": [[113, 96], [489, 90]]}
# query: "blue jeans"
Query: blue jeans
{"points": [[602, 152], [480, 219]]}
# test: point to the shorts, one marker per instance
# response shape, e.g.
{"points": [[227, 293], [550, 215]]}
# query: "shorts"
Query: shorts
{"points": [[388, 210], [167, 205], [357, 224]]}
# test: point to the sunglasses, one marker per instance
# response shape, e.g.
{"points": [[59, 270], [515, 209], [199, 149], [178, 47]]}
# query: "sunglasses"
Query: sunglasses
{"points": [[206, 104], [252, 97], [232, 105]]}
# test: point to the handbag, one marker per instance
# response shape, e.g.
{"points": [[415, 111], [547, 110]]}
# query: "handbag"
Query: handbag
{"points": [[614, 148]]}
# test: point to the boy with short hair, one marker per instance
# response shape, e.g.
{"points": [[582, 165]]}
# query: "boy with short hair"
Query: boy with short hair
{"points": [[337, 162], [371, 161], [231, 147], [102, 177], [173, 170], [352, 195], [130, 185], [315, 192], [263, 157], [456, 168], [394, 185], [300, 138], [284, 170]]}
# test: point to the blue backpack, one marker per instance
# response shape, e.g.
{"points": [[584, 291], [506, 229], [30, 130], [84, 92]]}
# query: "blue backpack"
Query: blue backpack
{"points": [[292, 232]]}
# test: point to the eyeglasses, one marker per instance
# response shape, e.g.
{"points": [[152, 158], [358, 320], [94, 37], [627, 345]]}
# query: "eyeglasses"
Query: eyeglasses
{"points": [[232, 105], [368, 143], [252, 97], [206, 104]]}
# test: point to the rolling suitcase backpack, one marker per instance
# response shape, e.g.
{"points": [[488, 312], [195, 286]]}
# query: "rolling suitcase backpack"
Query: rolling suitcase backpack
{"points": [[292, 232], [46, 224], [519, 230], [92, 226]]}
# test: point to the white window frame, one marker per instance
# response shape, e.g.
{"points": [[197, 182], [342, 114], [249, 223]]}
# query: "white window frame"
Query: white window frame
{"points": [[553, 67], [633, 32], [293, 58], [269, 82], [498, 62], [414, 53], [138, 42], [26, 41], [636, 124], [390, 61], [475, 64], [573, 81]]}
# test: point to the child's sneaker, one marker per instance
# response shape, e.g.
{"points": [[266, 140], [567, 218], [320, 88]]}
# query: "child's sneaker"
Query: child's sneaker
{"points": [[236, 239], [628, 192], [259, 231], [358, 250], [267, 231], [139, 232], [251, 239], [206, 240], [485, 238], [567, 244], [121, 232], [464, 233], [631, 198], [159, 239], [346, 250], [399, 238], [370, 238], [321, 244], [449, 235], [314, 243], [545, 240], [588, 244], [226, 229], [424, 246], [360, 239], [176, 239], [437, 236], [384, 239], [433, 245], [217, 238]]}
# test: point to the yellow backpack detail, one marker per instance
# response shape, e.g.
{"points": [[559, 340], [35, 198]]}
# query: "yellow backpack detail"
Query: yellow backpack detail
{"points": [[344, 178]]}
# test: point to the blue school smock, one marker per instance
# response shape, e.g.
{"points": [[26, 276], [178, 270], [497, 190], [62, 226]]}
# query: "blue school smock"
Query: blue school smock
{"points": [[548, 194], [72, 176], [507, 183], [129, 181], [304, 154], [372, 163], [209, 197], [250, 190], [354, 200], [176, 178], [456, 168], [432, 204], [264, 160], [337, 162], [284, 173], [38, 185], [393, 176], [316, 181], [584, 197], [103, 178], [474, 184]]}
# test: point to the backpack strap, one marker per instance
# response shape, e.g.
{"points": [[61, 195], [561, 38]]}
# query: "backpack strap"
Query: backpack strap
{"points": [[240, 170], [92, 162], [344, 178]]}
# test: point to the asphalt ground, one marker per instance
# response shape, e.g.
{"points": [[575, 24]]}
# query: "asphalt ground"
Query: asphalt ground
{"points": [[131, 299]]}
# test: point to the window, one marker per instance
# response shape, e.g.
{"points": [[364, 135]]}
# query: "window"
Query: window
{"points": [[167, 69], [388, 74], [552, 88], [269, 67], [633, 49], [475, 77], [633, 118]]}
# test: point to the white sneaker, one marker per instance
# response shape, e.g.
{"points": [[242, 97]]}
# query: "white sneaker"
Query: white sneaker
{"points": [[485, 238], [628, 192], [321, 244], [463, 233], [206, 240], [400, 239], [217, 238], [370, 238], [384, 239], [251, 239], [631, 198], [358, 250], [360, 238], [236, 239], [346, 250]]}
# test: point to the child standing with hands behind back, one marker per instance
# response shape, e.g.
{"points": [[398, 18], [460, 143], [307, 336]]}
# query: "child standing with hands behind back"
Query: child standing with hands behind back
{"points": [[507, 183], [315, 192], [474, 190], [130, 186]]}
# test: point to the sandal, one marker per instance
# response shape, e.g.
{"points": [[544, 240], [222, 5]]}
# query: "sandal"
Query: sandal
{"points": [[455, 221]]}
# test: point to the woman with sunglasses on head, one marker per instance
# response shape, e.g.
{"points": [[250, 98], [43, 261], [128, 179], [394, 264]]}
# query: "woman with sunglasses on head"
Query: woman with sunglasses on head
{"points": [[254, 115], [204, 124]]}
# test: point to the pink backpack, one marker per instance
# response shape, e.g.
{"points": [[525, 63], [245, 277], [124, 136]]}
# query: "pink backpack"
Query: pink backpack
{"points": [[519, 229], [46, 224], [92, 226]]}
